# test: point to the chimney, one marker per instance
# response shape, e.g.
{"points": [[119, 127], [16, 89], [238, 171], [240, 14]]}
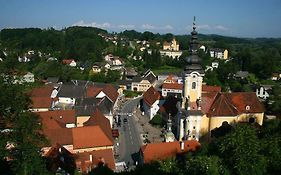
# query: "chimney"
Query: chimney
{"points": [[182, 145], [91, 158]]}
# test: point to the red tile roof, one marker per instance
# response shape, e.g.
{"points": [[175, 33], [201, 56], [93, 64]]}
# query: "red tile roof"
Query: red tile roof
{"points": [[67, 61], [207, 88], [100, 156], [90, 137], [41, 97], [111, 92], [64, 116], [172, 86], [62, 136], [108, 89], [98, 119], [44, 91], [160, 151], [93, 91], [151, 95], [230, 104]]}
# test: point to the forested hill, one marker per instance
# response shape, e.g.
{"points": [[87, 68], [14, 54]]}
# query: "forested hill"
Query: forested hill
{"points": [[72, 42]]}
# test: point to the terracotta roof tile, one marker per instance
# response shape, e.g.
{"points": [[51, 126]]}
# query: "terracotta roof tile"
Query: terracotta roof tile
{"points": [[100, 156], [230, 104], [44, 91], [98, 119], [151, 95], [64, 116], [160, 151], [62, 136], [207, 88], [172, 86], [67, 61], [89, 137]]}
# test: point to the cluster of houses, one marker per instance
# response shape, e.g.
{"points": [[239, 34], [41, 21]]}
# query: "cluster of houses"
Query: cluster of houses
{"points": [[194, 109], [77, 119]]}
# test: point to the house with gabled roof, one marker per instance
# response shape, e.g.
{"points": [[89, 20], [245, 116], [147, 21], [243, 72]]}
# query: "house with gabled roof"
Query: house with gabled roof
{"points": [[144, 82], [69, 62], [160, 151], [151, 100], [90, 144], [43, 98]]}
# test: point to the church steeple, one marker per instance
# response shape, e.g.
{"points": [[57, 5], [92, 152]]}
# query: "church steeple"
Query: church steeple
{"points": [[193, 42], [193, 72], [193, 61]]}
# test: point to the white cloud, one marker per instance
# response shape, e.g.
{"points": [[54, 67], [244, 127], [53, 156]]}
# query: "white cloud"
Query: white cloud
{"points": [[168, 27], [220, 27], [209, 27], [126, 26], [148, 27], [104, 25]]}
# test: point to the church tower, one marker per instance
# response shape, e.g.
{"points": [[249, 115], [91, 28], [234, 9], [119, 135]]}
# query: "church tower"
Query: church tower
{"points": [[193, 73], [189, 115]]}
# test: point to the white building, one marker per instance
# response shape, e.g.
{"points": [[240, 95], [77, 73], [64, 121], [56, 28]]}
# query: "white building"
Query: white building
{"points": [[151, 102]]}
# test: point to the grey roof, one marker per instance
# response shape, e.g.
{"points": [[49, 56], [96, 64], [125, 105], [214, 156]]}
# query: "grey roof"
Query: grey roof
{"points": [[216, 50], [124, 82], [71, 91], [137, 79], [52, 79], [187, 113], [242, 74], [105, 105], [150, 77], [130, 71], [86, 106]]}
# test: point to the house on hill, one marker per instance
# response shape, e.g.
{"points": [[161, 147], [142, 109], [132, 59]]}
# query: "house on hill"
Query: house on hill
{"points": [[69, 62], [151, 102]]}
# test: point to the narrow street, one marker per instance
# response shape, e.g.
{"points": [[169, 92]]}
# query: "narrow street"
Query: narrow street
{"points": [[130, 141]]}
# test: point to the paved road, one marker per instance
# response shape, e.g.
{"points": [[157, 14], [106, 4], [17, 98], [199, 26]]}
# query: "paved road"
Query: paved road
{"points": [[130, 140]]}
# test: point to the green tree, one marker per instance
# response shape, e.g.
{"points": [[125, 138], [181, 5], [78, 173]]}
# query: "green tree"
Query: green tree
{"points": [[240, 151]]}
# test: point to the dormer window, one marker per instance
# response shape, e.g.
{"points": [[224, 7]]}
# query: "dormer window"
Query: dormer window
{"points": [[193, 85], [247, 108]]}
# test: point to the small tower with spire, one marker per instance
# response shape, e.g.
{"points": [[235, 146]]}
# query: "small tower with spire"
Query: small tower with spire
{"points": [[190, 114], [169, 136]]}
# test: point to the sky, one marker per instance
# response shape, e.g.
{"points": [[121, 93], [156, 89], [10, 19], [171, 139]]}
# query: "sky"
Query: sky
{"points": [[239, 18]]}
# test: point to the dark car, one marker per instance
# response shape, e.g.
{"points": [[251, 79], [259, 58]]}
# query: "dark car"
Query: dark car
{"points": [[125, 120]]}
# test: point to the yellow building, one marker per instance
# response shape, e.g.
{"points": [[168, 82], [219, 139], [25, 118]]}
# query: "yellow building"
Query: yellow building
{"points": [[199, 112], [225, 54], [172, 46]]}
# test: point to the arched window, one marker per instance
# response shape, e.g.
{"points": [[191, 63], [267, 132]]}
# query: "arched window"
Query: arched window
{"points": [[193, 85]]}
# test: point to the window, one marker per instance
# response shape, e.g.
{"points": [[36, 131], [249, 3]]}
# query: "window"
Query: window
{"points": [[193, 127], [193, 85]]}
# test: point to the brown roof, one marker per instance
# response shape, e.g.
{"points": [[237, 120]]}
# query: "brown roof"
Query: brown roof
{"points": [[207, 88], [172, 86], [222, 106], [100, 156], [151, 95], [67, 61], [54, 126], [64, 116], [232, 104], [108, 89], [44, 91], [62, 136], [41, 102], [93, 91], [160, 151], [41, 97], [90, 137], [111, 92], [98, 119]]}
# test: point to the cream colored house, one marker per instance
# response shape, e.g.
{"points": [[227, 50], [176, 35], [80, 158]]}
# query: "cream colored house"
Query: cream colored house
{"points": [[172, 46]]}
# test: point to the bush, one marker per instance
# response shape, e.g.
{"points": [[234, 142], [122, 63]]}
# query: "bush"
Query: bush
{"points": [[157, 121]]}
